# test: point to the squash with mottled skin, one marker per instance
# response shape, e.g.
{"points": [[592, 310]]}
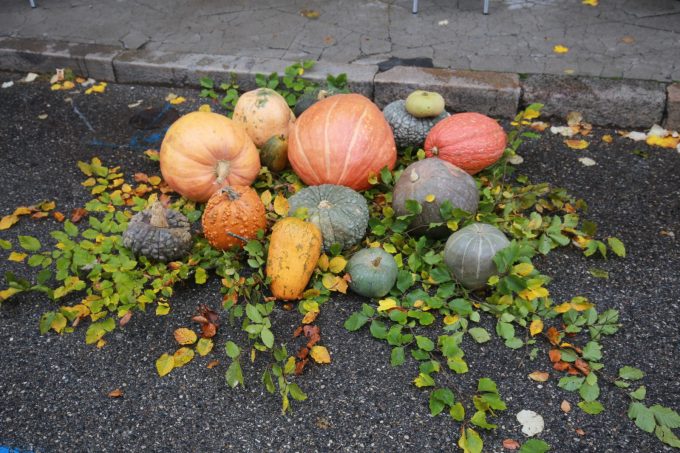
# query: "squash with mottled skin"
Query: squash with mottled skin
{"points": [[233, 216], [469, 253], [263, 113], [274, 153], [373, 272], [408, 129], [471, 141], [431, 182], [340, 213], [294, 250]]}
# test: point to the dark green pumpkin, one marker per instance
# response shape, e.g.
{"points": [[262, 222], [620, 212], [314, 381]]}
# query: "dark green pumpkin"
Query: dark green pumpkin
{"points": [[435, 180], [373, 272], [340, 213], [274, 153], [469, 253], [308, 99], [158, 233], [409, 130]]}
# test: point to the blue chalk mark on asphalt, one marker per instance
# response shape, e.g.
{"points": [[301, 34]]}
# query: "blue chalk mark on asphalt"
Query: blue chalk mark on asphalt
{"points": [[139, 140], [5, 449]]}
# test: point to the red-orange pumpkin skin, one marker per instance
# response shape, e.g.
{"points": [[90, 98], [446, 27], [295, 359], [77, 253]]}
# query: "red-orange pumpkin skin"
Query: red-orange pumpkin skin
{"points": [[470, 141], [203, 152], [232, 216], [341, 140]]}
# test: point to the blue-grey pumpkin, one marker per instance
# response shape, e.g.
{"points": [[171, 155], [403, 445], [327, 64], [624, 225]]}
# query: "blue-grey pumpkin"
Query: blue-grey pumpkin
{"points": [[373, 272], [340, 213], [469, 253]]}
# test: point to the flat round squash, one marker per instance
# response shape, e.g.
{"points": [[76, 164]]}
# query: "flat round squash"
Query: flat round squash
{"points": [[340, 213], [469, 253], [342, 140], [373, 272]]}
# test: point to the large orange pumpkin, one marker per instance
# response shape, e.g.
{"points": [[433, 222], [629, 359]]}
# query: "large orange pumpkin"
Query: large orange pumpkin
{"points": [[341, 140], [470, 141], [203, 152], [263, 113], [233, 215]]}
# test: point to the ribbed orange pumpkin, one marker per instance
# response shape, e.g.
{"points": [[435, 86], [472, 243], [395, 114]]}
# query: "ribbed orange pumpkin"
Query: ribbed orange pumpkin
{"points": [[341, 140], [263, 113], [204, 151], [470, 141], [233, 213]]}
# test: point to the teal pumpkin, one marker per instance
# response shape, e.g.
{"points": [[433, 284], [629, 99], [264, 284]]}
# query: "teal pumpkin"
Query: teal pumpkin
{"points": [[373, 272], [469, 253], [340, 213]]}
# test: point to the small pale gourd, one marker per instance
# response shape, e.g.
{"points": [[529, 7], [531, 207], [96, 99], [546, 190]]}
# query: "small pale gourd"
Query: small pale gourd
{"points": [[425, 104], [469, 253]]}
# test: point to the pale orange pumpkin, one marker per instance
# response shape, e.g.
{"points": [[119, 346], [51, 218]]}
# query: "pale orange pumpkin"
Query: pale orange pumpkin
{"points": [[233, 216], [341, 140], [470, 141], [203, 152], [263, 113]]}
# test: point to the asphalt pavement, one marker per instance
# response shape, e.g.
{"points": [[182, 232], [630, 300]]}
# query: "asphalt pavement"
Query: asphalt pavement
{"points": [[55, 388]]}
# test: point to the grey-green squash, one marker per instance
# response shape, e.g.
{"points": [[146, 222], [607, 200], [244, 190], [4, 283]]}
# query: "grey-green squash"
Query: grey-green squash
{"points": [[431, 182], [340, 213], [409, 130], [306, 100], [274, 153], [469, 253], [373, 272], [158, 233]]}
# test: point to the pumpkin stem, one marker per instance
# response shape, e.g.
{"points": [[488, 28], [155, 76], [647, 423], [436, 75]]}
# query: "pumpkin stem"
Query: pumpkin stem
{"points": [[222, 171], [325, 204], [434, 151], [414, 176], [238, 236], [376, 262], [158, 217], [231, 193]]}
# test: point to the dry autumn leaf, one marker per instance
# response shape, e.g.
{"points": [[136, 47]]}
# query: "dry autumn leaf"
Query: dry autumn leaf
{"points": [[539, 376], [182, 356], [77, 214], [208, 330], [555, 355], [565, 406], [580, 432], [320, 354], [607, 138], [117, 393], [587, 161], [337, 264], [165, 364], [310, 13], [310, 317], [536, 327], [559, 48], [204, 346], [185, 336], [281, 205], [510, 444], [7, 221], [212, 364], [125, 319], [58, 216], [576, 144]]}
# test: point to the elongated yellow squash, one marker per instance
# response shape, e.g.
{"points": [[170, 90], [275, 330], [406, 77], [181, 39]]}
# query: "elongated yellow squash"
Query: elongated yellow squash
{"points": [[294, 250]]}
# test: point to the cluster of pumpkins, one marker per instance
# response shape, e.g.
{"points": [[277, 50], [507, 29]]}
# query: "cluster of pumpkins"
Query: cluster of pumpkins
{"points": [[334, 146]]}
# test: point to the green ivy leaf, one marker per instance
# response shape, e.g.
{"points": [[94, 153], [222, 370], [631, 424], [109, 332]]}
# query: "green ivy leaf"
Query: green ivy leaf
{"points": [[571, 383], [643, 417], [534, 446], [423, 380], [639, 394], [592, 351], [665, 416], [232, 349], [356, 321], [267, 337], [617, 246], [470, 442], [591, 407], [479, 334], [630, 373], [589, 392], [296, 392], [234, 374], [479, 419], [29, 243], [397, 357], [457, 412], [424, 343], [378, 329]]}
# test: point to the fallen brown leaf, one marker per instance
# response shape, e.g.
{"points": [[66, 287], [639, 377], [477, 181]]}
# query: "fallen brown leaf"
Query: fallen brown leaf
{"points": [[555, 355], [539, 376], [565, 406], [125, 319], [582, 366], [77, 214], [58, 216], [117, 393], [208, 330], [580, 432], [212, 364], [510, 444]]}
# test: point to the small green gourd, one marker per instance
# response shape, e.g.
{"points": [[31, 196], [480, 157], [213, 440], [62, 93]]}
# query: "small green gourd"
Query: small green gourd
{"points": [[425, 104], [373, 272]]}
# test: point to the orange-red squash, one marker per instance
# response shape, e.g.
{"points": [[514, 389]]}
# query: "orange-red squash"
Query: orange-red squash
{"points": [[233, 215], [341, 140], [294, 250], [203, 152], [470, 141]]}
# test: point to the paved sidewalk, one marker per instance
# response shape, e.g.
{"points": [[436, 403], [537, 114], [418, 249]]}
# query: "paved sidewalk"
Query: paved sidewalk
{"points": [[628, 39]]}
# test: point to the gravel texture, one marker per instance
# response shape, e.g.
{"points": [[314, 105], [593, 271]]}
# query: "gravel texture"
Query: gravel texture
{"points": [[54, 388]]}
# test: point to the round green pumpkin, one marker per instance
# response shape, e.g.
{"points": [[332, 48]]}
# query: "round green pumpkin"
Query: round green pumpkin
{"points": [[425, 104], [431, 182], [469, 253], [373, 272], [274, 153], [340, 213], [409, 130]]}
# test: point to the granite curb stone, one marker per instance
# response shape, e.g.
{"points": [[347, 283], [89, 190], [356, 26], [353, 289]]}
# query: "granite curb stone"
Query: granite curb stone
{"points": [[623, 103], [492, 93], [673, 107], [90, 60]]}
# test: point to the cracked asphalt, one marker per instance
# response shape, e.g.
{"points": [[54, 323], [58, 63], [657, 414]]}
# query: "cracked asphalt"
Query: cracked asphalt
{"points": [[54, 388], [622, 39]]}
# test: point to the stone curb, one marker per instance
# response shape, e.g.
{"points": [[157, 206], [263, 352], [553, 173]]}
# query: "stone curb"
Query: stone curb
{"points": [[622, 103]]}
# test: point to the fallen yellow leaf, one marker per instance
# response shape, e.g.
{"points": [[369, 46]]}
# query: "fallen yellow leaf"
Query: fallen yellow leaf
{"points": [[165, 364], [185, 336], [576, 144], [204, 108], [664, 142], [320, 354], [590, 2], [337, 264], [310, 317], [559, 48], [607, 138], [386, 304], [539, 376], [430, 198], [68, 85], [8, 221], [178, 100], [536, 327], [182, 356], [281, 205], [323, 262], [17, 257]]}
